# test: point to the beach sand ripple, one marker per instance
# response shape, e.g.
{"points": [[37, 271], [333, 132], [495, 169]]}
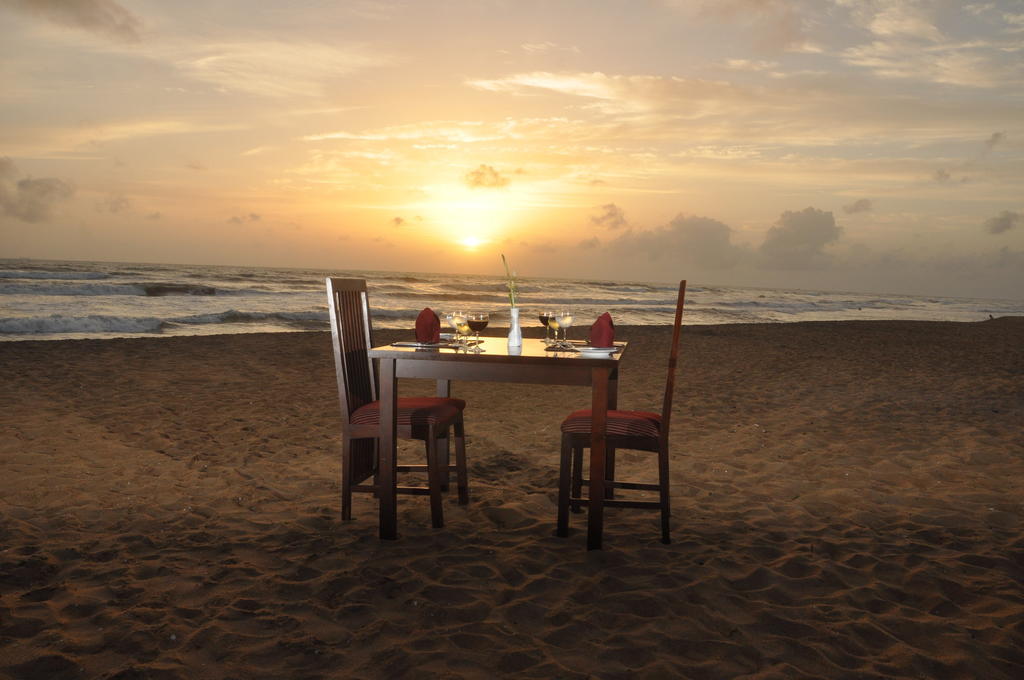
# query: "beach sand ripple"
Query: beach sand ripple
{"points": [[847, 503]]}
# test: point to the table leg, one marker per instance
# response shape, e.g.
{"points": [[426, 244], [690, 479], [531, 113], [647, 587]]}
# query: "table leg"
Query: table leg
{"points": [[387, 450], [444, 389], [613, 403], [599, 423]]}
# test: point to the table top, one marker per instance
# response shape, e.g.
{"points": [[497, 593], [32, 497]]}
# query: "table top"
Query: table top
{"points": [[496, 350]]}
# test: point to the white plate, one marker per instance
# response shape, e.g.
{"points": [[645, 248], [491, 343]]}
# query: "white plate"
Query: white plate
{"points": [[421, 345], [597, 351]]}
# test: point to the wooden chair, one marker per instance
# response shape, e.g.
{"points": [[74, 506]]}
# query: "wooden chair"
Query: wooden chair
{"points": [[424, 418], [635, 430]]}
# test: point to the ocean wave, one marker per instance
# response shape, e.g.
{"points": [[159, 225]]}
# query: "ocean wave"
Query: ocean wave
{"points": [[152, 289], [718, 315], [401, 313], [82, 299], [160, 289], [500, 299], [499, 287], [106, 324], [94, 323], [616, 286], [246, 277], [810, 305], [132, 270], [80, 276], [463, 297], [600, 302], [387, 288], [307, 319], [391, 276], [89, 289]]}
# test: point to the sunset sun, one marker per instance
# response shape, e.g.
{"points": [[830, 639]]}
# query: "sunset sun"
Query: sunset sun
{"points": [[471, 242], [469, 216]]}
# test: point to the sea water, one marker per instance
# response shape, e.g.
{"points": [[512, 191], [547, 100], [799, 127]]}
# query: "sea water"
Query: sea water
{"points": [[51, 300]]}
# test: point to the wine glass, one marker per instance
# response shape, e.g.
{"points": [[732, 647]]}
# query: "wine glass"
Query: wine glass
{"points": [[565, 321], [463, 329], [477, 321], [457, 320], [553, 325], [545, 318]]}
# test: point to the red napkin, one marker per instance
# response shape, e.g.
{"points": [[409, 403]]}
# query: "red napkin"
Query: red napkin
{"points": [[602, 333], [428, 326]]}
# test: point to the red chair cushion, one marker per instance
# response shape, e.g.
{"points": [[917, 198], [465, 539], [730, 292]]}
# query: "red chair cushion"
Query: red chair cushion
{"points": [[412, 411], [621, 423]]}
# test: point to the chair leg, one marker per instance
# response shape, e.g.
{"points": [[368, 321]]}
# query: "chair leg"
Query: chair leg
{"points": [[609, 471], [663, 485], [577, 476], [434, 480], [443, 456], [346, 479], [462, 477], [564, 474], [376, 469]]}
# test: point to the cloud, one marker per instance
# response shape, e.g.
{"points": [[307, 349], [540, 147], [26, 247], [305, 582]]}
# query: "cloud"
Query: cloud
{"points": [[904, 19], [804, 249], [104, 17], [748, 65], [397, 221], [114, 203], [274, 69], [251, 217], [907, 43], [547, 46], [798, 239], [438, 132], [1004, 221], [594, 85], [616, 92], [892, 19], [858, 206], [943, 176], [691, 240], [485, 177], [27, 199], [633, 94], [992, 141], [774, 24], [611, 217]]}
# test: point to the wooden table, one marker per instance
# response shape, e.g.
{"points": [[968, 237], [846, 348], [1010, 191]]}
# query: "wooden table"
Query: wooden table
{"points": [[533, 364]]}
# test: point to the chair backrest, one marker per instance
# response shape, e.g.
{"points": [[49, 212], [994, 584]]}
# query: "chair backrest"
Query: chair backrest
{"points": [[350, 334], [673, 355]]}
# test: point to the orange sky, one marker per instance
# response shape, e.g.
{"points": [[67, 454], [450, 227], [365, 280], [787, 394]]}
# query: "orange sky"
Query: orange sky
{"points": [[870, 145]]}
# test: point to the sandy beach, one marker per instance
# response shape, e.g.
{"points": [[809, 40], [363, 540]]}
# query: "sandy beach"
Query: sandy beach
{"points": [[847, 503]]}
